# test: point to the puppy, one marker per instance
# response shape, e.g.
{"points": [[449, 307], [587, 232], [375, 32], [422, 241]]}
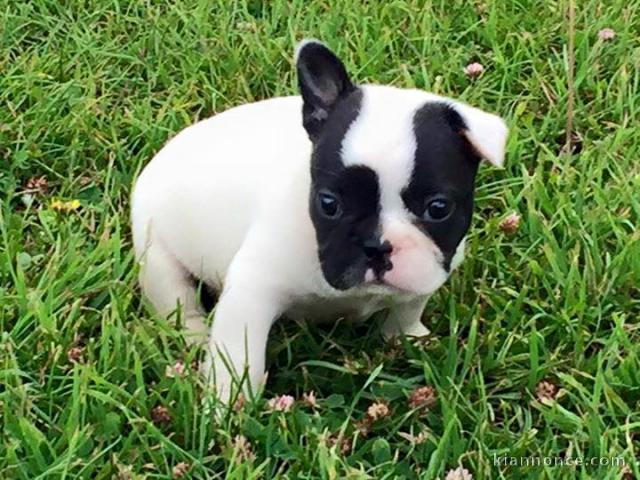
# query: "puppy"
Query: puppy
{"points": [[340, 202]]}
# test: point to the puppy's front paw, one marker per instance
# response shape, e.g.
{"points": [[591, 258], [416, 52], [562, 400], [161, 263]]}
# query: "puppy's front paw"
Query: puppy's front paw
{"points": [[405, 319], [227, 384], [218, 377], [392, 330]]}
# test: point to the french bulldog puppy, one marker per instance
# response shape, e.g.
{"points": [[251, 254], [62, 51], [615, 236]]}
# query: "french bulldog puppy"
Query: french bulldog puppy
{"points": [[340, 202]]}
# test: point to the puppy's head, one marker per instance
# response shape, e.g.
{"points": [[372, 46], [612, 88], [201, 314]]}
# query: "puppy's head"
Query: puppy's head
{"points": [[392, 175]]}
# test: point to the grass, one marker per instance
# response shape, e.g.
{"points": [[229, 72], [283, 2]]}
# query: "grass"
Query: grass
{"points": [[89, 90]]}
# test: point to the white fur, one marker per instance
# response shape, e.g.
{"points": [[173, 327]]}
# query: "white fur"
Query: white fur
{"points": [[382, 138], [227, 200], [486, 132]]}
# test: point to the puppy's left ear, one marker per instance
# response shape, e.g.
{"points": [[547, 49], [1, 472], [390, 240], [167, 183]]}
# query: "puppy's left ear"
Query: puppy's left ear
{"points": [[486, 132], [323, 80]]}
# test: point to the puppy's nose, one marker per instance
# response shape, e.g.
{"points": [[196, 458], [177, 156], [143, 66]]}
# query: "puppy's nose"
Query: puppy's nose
{"points": [[378, 254], [374, 249]]}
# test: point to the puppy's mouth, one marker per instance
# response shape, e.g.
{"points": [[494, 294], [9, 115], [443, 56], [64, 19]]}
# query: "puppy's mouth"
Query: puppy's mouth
{"points": [[375, 278], [381, 287]]}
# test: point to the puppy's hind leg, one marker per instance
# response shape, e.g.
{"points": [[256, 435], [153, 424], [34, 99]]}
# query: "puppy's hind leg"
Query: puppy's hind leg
{"points": [[169, 287]]}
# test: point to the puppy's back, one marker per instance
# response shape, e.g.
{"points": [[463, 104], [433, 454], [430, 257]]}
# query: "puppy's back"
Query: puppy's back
{"points": [[200, 193]]}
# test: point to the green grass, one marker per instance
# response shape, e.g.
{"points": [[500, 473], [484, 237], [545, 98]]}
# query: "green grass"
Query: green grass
{"points": [[89, 90]]}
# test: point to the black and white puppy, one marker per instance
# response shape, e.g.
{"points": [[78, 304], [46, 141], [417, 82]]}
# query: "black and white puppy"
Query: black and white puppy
{"points": [[337, 203]]}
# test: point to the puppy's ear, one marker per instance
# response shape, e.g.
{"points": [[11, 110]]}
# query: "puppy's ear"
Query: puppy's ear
{"points": [[323, 80], [486, 132]]}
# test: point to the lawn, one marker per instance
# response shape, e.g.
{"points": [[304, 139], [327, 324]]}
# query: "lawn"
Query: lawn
{"points": [[536, 343]]}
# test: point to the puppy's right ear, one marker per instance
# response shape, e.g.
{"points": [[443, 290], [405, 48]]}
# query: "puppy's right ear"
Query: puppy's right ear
{"points": [[323, 80]]}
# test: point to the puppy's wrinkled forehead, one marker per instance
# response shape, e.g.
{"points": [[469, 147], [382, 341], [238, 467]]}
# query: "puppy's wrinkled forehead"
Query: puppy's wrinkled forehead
{"points": [[404, 136]]}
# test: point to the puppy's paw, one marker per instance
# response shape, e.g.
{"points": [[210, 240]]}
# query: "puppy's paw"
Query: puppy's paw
{"points": [[226, 386], [218, 378], [391, 330]]}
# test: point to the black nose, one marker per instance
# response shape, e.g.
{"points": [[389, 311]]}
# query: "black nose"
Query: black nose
{"points": [[378, 255], [373, 249]]}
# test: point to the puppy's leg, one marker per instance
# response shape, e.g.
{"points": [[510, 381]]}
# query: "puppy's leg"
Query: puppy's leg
{"points": [[238, 341], [168, 286], [405, 318]]}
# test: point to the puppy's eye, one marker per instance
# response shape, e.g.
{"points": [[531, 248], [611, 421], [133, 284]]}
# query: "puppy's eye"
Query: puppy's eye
{"points": [[438, 208], [328, 204]]}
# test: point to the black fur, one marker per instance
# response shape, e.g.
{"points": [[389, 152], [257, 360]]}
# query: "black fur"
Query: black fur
{"points": [[323, 82], [445, 164], [344, 244]]}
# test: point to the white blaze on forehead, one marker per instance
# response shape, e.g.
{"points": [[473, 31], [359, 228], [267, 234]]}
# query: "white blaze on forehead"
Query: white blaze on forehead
{"points": [[382, 138]]}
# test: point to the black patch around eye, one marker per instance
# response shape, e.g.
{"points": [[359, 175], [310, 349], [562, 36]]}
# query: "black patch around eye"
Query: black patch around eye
{"points": [[445, 166], [341, 241]]}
